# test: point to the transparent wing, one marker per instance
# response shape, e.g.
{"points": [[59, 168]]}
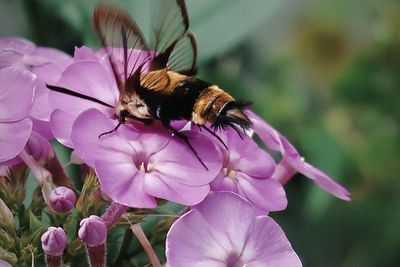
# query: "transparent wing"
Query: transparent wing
{"points": [[183, 58], [123, 42], [176, 47], [170, 23]]}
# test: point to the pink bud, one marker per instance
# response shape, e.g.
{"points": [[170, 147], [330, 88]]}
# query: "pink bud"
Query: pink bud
{"points": [[62, 199], [54, 241], [93, 231]]}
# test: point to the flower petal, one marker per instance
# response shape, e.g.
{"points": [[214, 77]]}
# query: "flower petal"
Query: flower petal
{"points": [[61, 126], [217, 232], [274, 140], [325, 182], [247, 157], [16, 93], [177, 162], [162, 187], [268, 245], [267, 194], [55, 56], [89, 78], [13, 138], [191, 243], [122, 182], [84, 53], [230, 218], [9, 57], [41, 108], [85, 137], [18, 44]]}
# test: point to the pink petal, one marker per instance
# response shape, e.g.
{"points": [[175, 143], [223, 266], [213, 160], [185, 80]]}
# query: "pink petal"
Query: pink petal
{"points": [[209, 235], [61, 126], [267, 194], [122, 182], [84, 53], [18, 44], [222, 183], [41, 108], [274, 140], [247, 157], [169, 160], [13, 138], [231, 224], [325, 182], [16, 93], [268, 245], [163, 187], [87, 144], [55, 56], [190, 242], [89, 78], [39, 147], [9, 57]]}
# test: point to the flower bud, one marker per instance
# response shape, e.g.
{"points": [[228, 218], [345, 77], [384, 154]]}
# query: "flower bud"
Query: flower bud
{"points": [[93, 231], [62, 199], [4, 263], [54, 241], [6, 216]]}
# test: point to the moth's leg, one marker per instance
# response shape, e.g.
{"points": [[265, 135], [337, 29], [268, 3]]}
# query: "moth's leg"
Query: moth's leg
{"points": [[214, 134], [185, 139], [113, 130], [122, 119]]}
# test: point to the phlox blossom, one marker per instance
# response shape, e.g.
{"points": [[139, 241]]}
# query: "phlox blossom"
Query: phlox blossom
{"points": [[16, 97], [90, 74], [137, 165], [247, 170], [291, 161], [226, 230]]}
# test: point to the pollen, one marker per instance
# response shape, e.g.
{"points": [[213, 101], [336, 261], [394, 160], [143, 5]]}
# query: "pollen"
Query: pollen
{"points": [[229, 173], [145, 167]]}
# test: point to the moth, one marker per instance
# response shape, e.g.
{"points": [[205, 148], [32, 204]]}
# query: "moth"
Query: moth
{"points": [[158, 82]]}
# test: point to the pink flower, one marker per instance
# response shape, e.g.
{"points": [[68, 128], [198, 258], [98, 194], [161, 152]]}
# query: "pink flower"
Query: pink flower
{"points": [[54, 241], [62, 199], [17, 140], [16, 97], [46, 63], [291, 161], [91, 75], [93, 231], [4, 263], [29, 141], [226, 230], [137, 166], [247, 170]]}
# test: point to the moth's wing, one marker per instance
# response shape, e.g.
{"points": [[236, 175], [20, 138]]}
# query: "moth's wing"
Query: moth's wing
{"points": [[124, 44], [170, 23], [176, 48], [183, 57]]}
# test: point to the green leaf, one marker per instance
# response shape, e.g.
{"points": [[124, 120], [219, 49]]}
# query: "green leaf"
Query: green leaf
{"points": [[72, 225], [34, 223], [114, 242]]}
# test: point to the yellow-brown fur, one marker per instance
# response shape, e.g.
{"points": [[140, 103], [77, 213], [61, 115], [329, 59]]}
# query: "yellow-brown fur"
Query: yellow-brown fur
{"points": [[208, 105]]}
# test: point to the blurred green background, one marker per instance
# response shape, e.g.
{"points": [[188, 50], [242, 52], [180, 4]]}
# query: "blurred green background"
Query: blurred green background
{"points": [[325, 73]]}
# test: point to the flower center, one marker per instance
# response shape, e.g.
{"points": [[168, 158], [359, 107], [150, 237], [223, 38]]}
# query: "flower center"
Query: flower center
{"points": [[229, 173], [234, 260], [145, 167]]}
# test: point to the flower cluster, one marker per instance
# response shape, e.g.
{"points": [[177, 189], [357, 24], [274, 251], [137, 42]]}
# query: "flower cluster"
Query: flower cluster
{"points": [[226, 222]]}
